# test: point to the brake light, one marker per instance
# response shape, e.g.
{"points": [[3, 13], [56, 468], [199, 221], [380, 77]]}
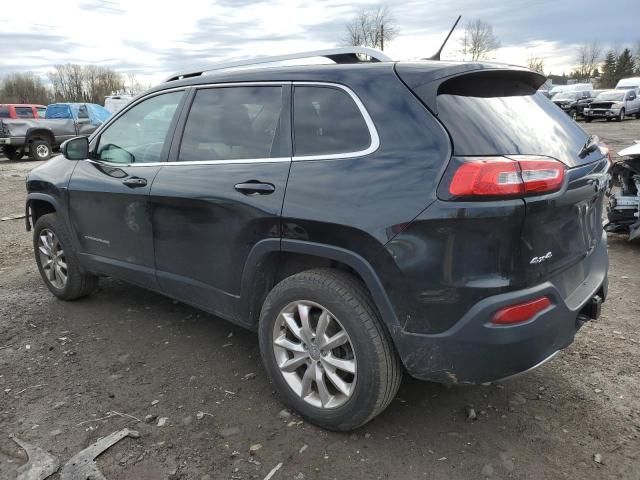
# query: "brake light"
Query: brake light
{"points": [[520, 312], [512, 177]]}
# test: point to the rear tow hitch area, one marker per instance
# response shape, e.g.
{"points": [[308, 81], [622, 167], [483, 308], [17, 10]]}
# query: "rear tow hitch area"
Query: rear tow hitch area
{"points": [[591, 311]]}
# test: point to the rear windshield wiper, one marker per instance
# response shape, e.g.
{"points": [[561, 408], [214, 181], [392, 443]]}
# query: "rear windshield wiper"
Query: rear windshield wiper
{"points": [[590, 146]]}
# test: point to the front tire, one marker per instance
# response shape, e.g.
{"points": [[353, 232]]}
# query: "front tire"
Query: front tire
{"points": [[12, 153], [58, 264], [326, 349], [588, 120], [621, 116], [574, 115], [40, 150]]}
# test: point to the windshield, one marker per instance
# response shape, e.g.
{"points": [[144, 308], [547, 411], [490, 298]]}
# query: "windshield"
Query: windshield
{"points": [[615, 96]]}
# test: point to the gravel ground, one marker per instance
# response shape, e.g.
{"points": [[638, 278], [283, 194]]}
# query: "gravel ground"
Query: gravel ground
{"points": [[64, 367]]}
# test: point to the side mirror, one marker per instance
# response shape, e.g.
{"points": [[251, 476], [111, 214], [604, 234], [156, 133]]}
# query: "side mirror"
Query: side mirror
{"points": [[76, 148]]}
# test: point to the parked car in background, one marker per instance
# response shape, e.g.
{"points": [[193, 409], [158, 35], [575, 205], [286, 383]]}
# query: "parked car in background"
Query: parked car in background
{"points": [[474, 251], [21, 110], [38, 137], [629, 83], [114, 103], [623, 210], [568, 101], [576, 87], [613, 105]]}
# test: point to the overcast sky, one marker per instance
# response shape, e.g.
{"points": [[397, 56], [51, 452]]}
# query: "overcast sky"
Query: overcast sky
{"points": [[152, 38]]}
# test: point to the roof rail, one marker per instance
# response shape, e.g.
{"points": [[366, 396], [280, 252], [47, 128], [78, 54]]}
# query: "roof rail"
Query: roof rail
{"points": [[338, 55]]}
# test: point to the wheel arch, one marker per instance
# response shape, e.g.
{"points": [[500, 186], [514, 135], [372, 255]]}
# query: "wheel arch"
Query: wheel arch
{"points": [[38, 204], [40, 134], [272, 260]]}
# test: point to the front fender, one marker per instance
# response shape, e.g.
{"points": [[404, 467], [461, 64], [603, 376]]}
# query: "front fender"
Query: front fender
{"points": [[38, 196]]}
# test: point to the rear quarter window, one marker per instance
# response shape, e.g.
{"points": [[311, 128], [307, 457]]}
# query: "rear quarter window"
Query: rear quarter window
{"points": [[327, 121]]}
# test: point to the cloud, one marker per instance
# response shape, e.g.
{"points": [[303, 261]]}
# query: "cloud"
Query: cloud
{"points": [[153, 39]]}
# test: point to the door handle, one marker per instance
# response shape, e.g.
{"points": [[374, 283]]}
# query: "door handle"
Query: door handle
{"points": [[253, 187], [135, 182]]}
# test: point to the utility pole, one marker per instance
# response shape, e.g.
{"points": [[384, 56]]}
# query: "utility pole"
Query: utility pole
{"points": [[382, 37]]}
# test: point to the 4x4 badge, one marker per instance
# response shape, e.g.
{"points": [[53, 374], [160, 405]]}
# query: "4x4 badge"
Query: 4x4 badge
{"points": [[537, 260]]}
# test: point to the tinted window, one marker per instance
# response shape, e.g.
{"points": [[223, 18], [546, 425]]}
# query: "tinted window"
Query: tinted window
{"points": [[497, 117], [83, 112], [24, 112], [232, 123], [138, 135], [4, 112], [326, 120]]}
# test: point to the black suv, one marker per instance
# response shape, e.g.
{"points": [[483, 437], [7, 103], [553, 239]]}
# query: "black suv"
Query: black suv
{"points": [[366, 219]]}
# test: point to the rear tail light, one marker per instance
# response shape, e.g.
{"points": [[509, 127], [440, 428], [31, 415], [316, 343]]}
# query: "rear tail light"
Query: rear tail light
{"points": [[511, 177], [520, 312]]}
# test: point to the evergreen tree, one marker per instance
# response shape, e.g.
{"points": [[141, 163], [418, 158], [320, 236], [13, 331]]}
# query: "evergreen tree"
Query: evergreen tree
{"points": [[608, 78], [624, 65]]}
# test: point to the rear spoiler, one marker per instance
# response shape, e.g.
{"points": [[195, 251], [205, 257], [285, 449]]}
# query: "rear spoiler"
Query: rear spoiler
{"points": [[427, 82]]}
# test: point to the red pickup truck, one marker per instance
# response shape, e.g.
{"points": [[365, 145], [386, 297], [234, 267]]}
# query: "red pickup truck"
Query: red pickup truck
{"points": [[21, 110]]}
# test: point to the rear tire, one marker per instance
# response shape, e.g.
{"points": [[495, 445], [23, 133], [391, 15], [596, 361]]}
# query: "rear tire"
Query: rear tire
{"points": [[367, 349], [57, 262], [12, 153], [40, 150]]}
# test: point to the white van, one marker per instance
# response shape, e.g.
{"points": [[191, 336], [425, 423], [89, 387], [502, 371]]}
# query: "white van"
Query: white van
{"points": [[113, 103], [629, 84]]}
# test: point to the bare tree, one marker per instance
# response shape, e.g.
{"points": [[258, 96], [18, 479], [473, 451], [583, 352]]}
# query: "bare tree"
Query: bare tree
{"points": [[478, 40], [88, 83], [588, 57], [371, 28], [24, 88], [536, 64]]}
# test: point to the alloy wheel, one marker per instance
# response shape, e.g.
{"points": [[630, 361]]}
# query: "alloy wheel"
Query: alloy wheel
{"points": [[314, 354], [42, 151], [52, 259]]}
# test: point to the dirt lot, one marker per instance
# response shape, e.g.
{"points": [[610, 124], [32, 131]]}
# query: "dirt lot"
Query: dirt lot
{"points": [[65, 366]]}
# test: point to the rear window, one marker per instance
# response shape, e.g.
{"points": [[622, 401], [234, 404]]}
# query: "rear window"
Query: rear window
{"points": [[24, 112], [501, 116], [327, 121], [4, 112]]}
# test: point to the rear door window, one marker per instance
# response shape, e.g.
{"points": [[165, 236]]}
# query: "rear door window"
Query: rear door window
{"points": [[327, 121], [4, 112], [41, 111], [24, 112], [232, 123]]}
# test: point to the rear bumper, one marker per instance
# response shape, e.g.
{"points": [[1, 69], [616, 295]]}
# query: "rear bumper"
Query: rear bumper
{"points": [[476, 351]]}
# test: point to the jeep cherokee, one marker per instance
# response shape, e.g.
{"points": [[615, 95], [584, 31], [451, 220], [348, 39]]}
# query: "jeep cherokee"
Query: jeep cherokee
{"points": [[367, 219]]}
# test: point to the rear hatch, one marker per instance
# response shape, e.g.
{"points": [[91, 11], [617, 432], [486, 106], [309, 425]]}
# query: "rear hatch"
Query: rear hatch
{"points": [[499, 115]]}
